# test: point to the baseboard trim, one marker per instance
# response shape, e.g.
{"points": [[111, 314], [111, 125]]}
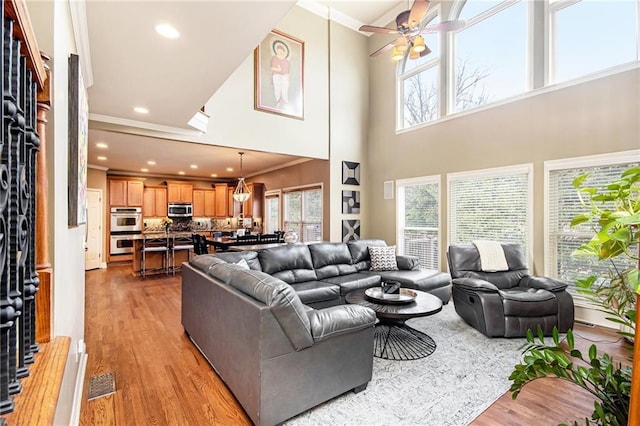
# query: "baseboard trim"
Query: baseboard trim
{"points": [[78, 390], [103, 265]]}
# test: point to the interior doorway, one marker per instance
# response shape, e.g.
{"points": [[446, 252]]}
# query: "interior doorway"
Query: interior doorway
{"points": [[93, 254]]}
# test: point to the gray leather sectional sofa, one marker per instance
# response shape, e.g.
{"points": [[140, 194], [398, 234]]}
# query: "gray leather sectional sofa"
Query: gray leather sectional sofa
{"points": [[279, 333]]}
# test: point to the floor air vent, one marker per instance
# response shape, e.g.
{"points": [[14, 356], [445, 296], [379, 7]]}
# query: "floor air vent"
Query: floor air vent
{"points": [[102, 385]]}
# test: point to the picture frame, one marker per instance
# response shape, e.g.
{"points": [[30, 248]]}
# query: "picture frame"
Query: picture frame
{"points": [[279, 75], [78, 127], [350, 173], [350, 230], [350, 202]]}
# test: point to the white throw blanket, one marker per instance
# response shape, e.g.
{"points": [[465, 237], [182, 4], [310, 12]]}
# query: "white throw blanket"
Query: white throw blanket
{"points": [[491, 256]]}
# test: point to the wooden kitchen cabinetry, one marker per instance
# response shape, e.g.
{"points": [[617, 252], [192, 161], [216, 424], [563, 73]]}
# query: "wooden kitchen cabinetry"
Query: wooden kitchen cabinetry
{"points": [[155, 201], [179, 192], [221, 201], [125, 193], [253, 206], [204, 203]]}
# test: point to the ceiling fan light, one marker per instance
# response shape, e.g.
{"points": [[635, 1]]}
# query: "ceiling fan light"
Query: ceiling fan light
{"points": [[418, 44], [396, 55], [413, 54], [401, 44]]}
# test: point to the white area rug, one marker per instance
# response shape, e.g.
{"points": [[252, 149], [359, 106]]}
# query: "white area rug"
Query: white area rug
{"points": [[465, 375]]}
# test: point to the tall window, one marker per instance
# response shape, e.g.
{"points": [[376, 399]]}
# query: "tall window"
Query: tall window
{"points": [[490, 53], [303, 212], [589, 36], [272, 212], [419, 83], [418, 213], [492, 204], [563, 204]]}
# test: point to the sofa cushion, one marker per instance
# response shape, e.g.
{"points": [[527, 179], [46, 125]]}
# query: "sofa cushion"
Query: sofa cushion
{"points": [[251, 257], [331, 259], [316, 291], [351, 282], [528, 302], [407, 263], [282, 300], [419, 279], [290, 263], [360, 252], [383, 258]]}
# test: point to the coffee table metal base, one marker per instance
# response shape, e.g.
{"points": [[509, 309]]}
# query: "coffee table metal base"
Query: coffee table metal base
{"points": [[397, 341]]}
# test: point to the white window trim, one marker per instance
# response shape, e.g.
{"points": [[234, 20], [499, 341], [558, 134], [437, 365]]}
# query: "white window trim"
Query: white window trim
{"points": [[400, 184], [575, 163], [496, 172], [274, 193], [401, 76]]}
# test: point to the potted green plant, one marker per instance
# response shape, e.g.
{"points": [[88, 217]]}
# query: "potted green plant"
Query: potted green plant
{"points": [[614, 214]]}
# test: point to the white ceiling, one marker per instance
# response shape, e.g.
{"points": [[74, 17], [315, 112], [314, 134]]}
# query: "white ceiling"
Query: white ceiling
{"points": [[131, 65]]}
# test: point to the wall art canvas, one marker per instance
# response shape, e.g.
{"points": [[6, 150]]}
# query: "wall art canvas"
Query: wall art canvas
{"points": [[350, 173], [279, 75], [350, 230], [78, 126], [350, 202]]}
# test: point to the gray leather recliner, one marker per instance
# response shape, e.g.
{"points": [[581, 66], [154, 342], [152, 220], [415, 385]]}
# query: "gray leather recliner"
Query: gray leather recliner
{"points": [[506, 303]]}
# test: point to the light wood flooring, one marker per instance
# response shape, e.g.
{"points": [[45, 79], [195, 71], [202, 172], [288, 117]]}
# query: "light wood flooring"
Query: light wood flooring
{"points": [[132, 328]]}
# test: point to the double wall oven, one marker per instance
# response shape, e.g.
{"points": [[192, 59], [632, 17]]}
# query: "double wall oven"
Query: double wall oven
{"points": [[126, 224]]}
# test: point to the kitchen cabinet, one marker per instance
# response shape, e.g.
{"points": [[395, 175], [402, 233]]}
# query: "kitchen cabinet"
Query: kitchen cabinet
{"points": [[253, 206], [125, 193], [155, 201], [221, 200], [179, 192], [204, 203]]}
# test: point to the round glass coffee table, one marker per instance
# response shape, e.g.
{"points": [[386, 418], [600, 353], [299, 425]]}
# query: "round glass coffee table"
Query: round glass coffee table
{"points": [[393, 338]]}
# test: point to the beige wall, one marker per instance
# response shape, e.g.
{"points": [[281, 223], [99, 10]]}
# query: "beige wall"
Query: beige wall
{"points": [[594, 117], [307, 173]]}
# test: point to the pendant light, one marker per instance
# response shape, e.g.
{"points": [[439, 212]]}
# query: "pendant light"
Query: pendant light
{"points": [[242, 193]]}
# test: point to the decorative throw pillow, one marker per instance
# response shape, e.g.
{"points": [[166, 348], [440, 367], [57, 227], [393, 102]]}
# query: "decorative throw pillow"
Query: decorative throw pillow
{"points": [[243, 264], [383, 258]]}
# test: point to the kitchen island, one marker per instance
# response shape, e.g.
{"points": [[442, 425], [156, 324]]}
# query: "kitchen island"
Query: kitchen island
{"points": [[153, 260]]}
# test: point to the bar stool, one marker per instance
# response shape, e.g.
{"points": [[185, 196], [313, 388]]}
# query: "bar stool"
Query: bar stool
{"points": [[155, 244], [180, 243]]}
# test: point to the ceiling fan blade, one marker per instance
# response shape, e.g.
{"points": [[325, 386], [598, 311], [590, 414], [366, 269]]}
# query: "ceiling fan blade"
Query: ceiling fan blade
{"points": [[418, 10], [445, 26], [383, 49], [372, 29]]}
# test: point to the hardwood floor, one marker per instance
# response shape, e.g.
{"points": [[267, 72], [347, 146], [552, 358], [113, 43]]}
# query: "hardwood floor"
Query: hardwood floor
{"points": [[132, 328]]}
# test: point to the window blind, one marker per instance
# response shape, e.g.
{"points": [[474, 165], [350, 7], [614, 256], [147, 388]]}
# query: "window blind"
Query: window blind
{"points": [[563, 205], [491, 205], [272, 216], [303, 213]]}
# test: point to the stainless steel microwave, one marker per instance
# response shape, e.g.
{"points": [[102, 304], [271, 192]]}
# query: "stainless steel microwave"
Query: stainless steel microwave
{"points": [[180, 210]]}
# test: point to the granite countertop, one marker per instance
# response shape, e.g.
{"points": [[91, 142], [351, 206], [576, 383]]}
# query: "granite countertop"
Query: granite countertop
{"points": [[160, 234]]}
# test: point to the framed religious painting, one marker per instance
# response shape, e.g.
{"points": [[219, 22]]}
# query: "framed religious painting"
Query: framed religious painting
{"points": [[279, 75]]}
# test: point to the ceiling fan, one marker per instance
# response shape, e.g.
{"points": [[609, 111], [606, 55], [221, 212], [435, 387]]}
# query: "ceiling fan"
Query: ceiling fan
{"points": [[408, 26]]}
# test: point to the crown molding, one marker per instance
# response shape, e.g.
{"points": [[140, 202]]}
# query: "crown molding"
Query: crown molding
{"points": [[142, 125], [95, 166], [78, 11]]}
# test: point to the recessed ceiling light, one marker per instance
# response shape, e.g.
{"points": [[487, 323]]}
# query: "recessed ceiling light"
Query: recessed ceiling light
{"points": [[180, 172], [102, 157], [167, 30], [229, 169], [102, 145], [194, 166], [144, 170], [141, 110], [214, 175], [151, 163]]}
